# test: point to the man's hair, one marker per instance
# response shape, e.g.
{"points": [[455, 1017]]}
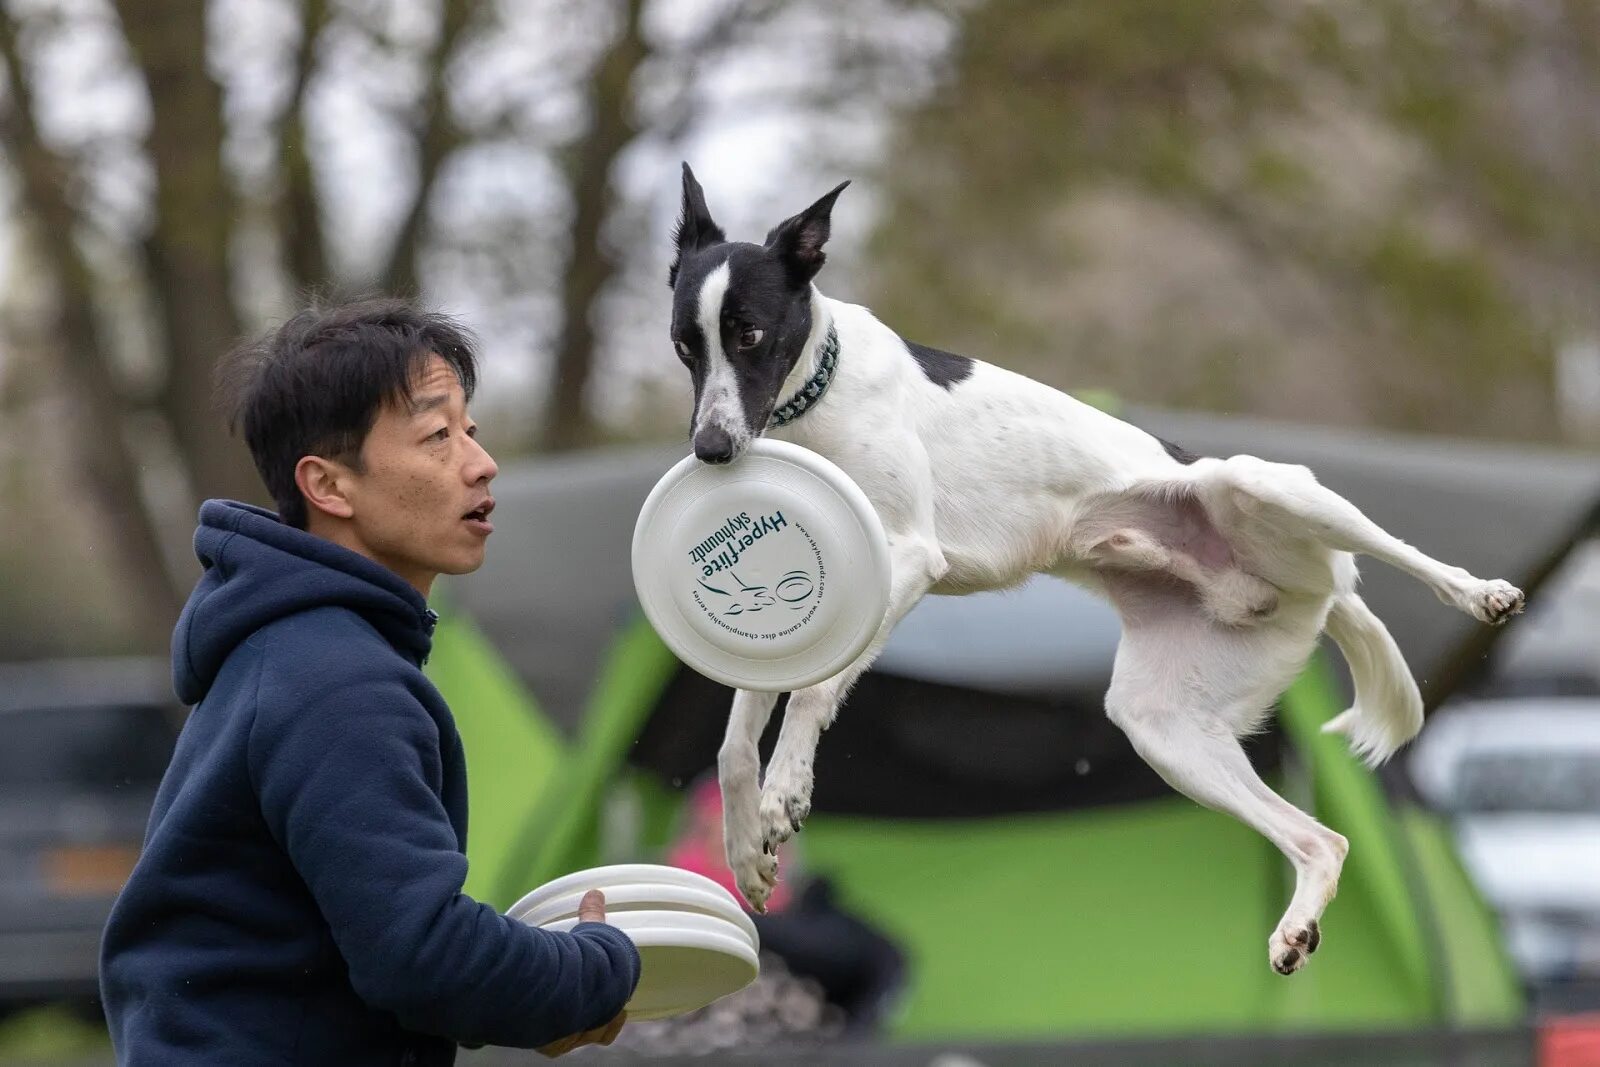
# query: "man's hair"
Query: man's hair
{"points": [[315, 385]]}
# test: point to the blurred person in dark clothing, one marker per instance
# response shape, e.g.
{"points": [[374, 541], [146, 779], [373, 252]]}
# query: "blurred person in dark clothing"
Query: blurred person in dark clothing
{"points": [[299, 896]]}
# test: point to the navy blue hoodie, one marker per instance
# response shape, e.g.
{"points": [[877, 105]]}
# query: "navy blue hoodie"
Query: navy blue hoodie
{"points": [[299, 897]]}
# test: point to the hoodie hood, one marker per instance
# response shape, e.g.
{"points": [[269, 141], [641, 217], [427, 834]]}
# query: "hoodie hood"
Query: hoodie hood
{"points": [[258, 570]]}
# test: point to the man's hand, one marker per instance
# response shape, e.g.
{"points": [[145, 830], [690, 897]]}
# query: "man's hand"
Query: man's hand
{"points": [[591, 909], [600, 1035]]}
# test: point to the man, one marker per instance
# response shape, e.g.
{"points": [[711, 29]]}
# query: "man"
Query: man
{"points": [[299, 897]]}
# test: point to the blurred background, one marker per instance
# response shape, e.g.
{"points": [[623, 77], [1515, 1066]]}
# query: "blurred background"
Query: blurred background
{"points": [[1358, 234]]}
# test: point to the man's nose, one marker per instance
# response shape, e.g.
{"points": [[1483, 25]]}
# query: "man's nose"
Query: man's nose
{"points": [[481, 466]]}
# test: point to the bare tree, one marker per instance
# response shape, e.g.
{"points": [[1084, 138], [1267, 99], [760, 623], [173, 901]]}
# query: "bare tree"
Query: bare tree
{"points": [[590, 265], [188, 245], [99, 429]]}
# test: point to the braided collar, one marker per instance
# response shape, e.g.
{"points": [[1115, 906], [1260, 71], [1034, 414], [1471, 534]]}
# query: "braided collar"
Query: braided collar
{"points": [[812, 391]]}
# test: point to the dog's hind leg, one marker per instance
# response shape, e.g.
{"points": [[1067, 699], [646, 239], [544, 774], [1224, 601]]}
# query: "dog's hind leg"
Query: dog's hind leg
{"points": [[1198, 756], [739, 775], [1164, 678], [1256, 486], [786, 794]]}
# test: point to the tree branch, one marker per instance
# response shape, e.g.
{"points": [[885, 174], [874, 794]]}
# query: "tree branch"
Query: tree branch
{"points": [[705, 50], [439, 137], [299, 214]]}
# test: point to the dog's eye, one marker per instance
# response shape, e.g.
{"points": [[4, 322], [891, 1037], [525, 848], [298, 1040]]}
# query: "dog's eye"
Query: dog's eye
{"points": [[683, 349], [750, 338]]}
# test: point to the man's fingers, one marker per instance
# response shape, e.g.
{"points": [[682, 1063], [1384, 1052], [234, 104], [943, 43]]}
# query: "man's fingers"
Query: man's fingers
{"points": [[592, 908], [559, 1048], [600, 1035]]}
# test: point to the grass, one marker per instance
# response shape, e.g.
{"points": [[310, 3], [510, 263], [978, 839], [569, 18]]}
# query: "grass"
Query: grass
{"points": [[52, 1035]]}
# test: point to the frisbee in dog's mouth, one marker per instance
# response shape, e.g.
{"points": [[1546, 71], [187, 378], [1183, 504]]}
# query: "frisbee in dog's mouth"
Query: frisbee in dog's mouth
{"points": [[768, 574]]}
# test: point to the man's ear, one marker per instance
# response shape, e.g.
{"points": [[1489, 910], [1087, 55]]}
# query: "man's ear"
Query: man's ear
{"points": [[696, 230], [799, 240], [325, 484]]}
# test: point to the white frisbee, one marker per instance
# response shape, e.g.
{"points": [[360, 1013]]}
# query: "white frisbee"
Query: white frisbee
{"points": [[686, 960], [633, 897], [615, 874], [664, 919], [770, 573]]}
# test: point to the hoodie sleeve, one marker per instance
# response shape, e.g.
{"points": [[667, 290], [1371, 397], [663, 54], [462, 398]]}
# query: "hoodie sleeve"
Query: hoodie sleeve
{"points": [[348, 786]]}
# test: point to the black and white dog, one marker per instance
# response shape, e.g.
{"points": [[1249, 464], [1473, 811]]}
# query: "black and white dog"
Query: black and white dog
{"points": [[1224, 571]]}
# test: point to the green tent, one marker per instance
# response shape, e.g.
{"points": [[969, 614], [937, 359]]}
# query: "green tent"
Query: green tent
{"points": [[973, 802]]}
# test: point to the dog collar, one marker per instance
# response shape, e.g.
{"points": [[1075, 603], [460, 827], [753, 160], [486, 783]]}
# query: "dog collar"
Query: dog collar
{"points": [[812, 391]]}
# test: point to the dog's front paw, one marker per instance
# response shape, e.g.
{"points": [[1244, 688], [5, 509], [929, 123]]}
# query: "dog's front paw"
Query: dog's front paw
{"points": [[783, 812], [1493, 601], [756, 873], [1291, 945]]}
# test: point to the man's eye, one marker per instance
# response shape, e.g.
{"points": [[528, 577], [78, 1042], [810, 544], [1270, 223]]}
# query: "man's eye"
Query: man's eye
{"points": [[440, 434], [750, 338], [472, 431]]}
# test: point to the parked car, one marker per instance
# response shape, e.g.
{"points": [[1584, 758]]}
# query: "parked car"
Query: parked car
{"points": [[83, 744], [1520, 779]]}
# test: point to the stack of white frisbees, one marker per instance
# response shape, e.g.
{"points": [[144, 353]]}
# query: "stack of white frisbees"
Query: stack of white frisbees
{"points": [[696, 944]]}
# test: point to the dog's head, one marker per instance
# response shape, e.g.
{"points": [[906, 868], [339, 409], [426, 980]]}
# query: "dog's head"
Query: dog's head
{"points": [[741, 314]]}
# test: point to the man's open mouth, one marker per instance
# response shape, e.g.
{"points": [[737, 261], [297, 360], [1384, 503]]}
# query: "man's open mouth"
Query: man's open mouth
{"points": [[478, 517]]}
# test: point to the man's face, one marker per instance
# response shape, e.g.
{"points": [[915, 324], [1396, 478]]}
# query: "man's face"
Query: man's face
{"points": [[421, 502]]}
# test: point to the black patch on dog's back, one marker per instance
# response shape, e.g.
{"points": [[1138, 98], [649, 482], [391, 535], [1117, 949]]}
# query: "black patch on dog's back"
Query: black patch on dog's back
{"points": [[1177, 452], [943, 369]]}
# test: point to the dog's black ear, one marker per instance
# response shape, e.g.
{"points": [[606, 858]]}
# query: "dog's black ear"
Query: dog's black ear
{"points": [[799, 240], [695, 229]]}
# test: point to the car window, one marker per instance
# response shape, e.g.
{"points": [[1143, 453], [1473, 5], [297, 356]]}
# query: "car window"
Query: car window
{"points": [[98, 747], [1548, 782]]}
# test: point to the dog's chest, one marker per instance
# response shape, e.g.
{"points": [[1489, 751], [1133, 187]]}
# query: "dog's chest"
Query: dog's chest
{"points": [[993, 524]]}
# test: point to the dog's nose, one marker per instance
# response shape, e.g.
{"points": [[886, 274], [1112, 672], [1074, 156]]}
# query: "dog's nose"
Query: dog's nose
{"points": [[713, 445]]}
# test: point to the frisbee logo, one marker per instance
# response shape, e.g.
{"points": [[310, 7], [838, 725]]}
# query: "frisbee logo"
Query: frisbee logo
{"points": [[753, 598], [794, 588], [728, 531], [750, 577], [732, 539]]}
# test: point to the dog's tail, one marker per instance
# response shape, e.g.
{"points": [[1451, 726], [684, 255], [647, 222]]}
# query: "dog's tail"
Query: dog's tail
{"points": [[1388, 709]]}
